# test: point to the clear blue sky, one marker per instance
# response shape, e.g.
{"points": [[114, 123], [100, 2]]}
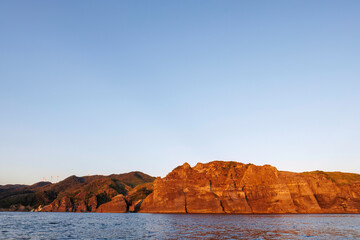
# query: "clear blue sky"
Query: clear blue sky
{"points": [[101, 87]]}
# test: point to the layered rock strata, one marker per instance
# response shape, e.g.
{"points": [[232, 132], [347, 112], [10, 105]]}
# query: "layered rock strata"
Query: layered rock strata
{"points": [[231, 187]]}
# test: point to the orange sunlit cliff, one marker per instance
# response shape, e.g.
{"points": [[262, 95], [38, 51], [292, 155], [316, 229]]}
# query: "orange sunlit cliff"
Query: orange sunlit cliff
{"points": [[231, 187]]}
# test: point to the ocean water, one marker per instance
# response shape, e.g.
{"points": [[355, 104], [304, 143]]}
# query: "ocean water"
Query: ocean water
{"points": [[16, 225]]}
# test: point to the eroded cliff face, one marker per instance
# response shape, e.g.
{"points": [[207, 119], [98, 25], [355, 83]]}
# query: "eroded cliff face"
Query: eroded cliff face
{"points": [[116, 205], [231, 187]]}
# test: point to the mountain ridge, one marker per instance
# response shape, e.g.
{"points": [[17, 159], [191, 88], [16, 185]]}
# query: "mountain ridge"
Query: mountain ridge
{"points": [[71, 194], [213, 187]]}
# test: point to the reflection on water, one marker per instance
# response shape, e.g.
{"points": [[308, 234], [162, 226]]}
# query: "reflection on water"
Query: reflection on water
{"points": [[175, 226]]}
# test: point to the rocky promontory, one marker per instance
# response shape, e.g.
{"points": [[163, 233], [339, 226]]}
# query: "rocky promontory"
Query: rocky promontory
{"points": [[232, 187]]}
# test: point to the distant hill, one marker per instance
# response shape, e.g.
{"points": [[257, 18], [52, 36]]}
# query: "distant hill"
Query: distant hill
{"points": [[75, 194]]}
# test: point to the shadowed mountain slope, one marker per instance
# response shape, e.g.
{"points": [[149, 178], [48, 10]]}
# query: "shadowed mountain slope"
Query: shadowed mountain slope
{"points": [[73, 194]]}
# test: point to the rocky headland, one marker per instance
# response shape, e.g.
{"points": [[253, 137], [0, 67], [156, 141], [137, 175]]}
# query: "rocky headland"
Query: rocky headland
{"points": [[232, 187], [214, 187]]}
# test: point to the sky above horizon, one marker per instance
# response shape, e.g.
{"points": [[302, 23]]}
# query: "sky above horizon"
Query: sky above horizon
{"points": [[102, 87]]}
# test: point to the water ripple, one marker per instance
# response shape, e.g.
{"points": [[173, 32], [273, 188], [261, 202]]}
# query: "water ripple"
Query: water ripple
{"points": [[176, 226]]}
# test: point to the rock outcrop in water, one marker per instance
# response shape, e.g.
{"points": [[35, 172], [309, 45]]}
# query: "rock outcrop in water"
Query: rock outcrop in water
{"points": [[231, 187]]}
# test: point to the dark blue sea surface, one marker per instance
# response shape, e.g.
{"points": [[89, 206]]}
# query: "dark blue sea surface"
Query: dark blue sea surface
{"points": [[15, 225]]}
